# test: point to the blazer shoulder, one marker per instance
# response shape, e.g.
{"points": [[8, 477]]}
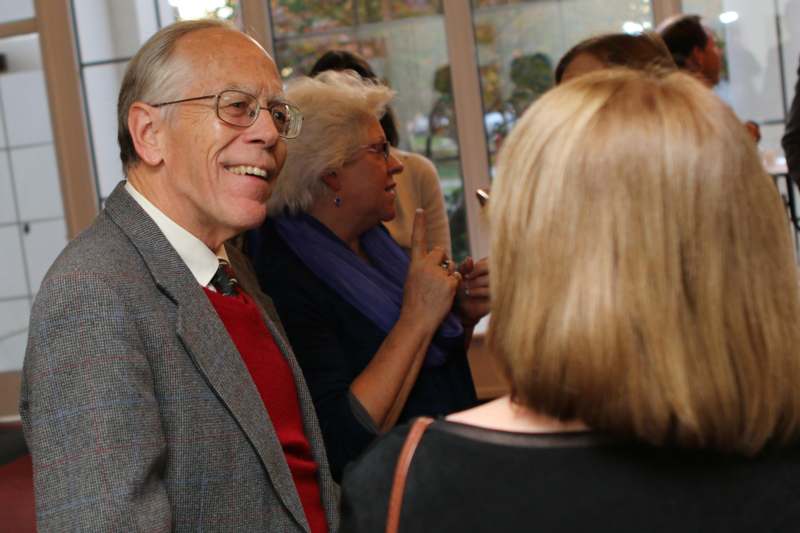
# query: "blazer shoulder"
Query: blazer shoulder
{"points": [[102, 247]]}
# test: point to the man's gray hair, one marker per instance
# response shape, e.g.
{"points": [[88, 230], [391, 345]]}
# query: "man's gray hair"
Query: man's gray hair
{"points": [[153, 75], [336, 110]]}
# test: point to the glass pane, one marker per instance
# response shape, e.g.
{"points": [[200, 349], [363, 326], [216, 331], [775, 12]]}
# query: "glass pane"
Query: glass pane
{"points": [[381, 11], [113, 29], [520, 42], [43, 241], [12, 268], [8, 209], [24, 96], [11, 10], [404, 42], [200, 9], [102, 84], [36, 180], [309, 17], [25, 106], [771, 149], [12, 349], [14, 316], [22, 53]]}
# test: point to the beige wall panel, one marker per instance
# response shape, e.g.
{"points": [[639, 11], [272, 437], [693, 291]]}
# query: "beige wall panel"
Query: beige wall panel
{"points": [[9, 393], [256, 24], [60, 62]]}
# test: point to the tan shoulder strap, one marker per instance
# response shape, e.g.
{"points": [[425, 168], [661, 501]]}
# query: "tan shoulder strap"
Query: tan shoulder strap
{"points": [[401, 471]]}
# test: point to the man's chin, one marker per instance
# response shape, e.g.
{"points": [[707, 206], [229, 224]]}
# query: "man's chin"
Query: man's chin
{"points": [[253, 217]]}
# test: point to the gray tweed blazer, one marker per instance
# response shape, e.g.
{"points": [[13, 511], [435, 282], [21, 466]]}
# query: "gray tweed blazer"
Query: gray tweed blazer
{"points": [[137, 408]]}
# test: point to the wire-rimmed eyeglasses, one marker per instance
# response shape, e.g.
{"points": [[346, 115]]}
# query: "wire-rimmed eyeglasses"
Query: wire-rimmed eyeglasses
{"points": [[241, 109], [381, 148]]}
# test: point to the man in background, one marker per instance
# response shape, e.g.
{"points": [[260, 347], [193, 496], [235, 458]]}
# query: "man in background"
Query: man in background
{"points": [[693, 47], [791, 135], [159, 391]]}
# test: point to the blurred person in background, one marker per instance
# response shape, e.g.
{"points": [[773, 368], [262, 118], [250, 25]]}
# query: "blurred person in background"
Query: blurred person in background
{"points": [[652, 353], [640, 51], [693, 47]]}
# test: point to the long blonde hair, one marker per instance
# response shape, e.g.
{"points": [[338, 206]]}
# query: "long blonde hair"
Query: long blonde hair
{"points": [[642, 271]]}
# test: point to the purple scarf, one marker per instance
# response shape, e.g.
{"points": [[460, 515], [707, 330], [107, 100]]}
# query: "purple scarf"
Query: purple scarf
{"points": [[375, 289]]}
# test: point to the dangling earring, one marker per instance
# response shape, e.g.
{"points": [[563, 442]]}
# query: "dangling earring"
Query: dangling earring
{"points": [[337, 201]]}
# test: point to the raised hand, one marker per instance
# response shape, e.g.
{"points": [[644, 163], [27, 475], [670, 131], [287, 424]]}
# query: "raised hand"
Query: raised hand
{"points": [[432, 279], [472, 302]]}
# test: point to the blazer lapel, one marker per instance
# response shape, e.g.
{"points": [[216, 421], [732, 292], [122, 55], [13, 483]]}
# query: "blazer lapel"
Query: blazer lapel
{"points": [[208, 344], [219, 361], [249, 282]]}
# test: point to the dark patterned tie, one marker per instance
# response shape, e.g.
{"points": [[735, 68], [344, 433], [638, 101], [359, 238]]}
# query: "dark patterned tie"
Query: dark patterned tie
{"points": [[225, 280]]}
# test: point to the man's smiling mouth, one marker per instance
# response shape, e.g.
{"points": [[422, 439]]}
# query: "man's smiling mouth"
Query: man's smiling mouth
{"points": [[244, 170]]}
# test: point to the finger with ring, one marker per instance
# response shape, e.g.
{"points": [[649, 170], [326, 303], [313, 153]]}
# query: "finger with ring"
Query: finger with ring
{"points": [[445, 264]]}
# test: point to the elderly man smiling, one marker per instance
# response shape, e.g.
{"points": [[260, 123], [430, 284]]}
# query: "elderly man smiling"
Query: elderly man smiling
{"points": [[159, 390]]}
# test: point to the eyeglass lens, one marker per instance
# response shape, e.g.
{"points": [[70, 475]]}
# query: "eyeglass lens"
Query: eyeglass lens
{"points": [[381, 148], [241, 109]]}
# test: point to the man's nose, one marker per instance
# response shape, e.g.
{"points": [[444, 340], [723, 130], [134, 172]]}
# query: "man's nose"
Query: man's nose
{"points": [[263, 130], [393, 164]]}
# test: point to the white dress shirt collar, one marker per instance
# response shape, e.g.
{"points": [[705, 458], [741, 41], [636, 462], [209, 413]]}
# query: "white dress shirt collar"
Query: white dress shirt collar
{"points": [[202, 262]]}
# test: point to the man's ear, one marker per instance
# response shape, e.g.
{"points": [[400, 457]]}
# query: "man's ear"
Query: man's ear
{"points": [[333, 182], [145, 124], [695, 60]]}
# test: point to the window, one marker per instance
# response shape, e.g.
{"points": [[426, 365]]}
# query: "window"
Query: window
{"points": [[519, 44]]}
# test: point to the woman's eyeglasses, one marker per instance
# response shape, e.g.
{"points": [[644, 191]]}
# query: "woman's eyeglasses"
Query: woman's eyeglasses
{"points": [[378, 148]]}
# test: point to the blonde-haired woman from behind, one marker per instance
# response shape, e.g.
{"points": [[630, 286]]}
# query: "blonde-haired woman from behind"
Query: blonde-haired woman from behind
{"points": [[645, 313]]}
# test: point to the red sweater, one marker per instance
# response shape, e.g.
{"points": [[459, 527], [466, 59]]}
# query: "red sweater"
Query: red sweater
{"points": [[275, 383]]}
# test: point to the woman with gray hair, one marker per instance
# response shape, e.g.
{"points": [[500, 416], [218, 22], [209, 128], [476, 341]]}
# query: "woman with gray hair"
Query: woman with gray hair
{"points": [[376, 333]]}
